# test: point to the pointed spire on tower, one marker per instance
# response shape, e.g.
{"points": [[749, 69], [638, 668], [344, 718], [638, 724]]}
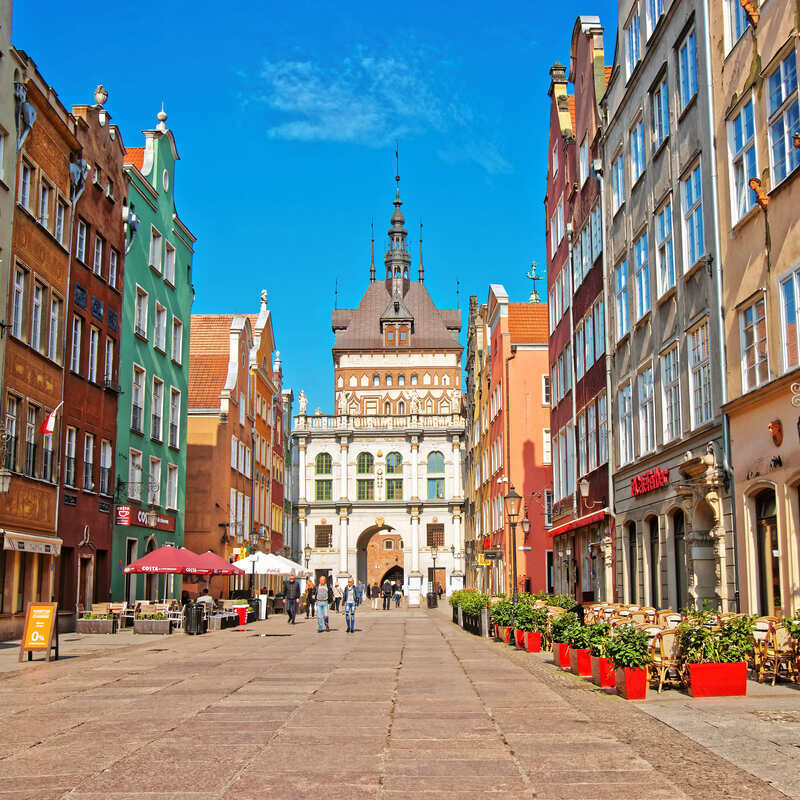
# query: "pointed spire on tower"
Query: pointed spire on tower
{"points": [[397, 258], [372, 251], [421, 268]]}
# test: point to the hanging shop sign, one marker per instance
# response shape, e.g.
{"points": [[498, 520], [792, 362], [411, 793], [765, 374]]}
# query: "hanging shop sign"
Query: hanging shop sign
{"points": [[127, 515], [649, 481], [493, 555]]}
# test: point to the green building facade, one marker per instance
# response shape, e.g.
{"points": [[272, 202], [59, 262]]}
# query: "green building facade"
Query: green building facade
{"points": [[150, 463]]}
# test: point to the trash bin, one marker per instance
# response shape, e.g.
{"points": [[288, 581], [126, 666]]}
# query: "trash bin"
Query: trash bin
{"points": [[433, 600], [193, 618], [242, 612]]}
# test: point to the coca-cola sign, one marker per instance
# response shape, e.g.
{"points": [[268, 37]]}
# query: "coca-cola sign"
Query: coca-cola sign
{"points": [[138, 517], [649, 481]]}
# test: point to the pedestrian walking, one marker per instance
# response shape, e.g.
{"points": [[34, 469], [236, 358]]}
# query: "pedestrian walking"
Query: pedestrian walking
{"points": [[439, 590], [398, 595], [349, 597], [376, 593], [323, 594], [337, 597], [359, 593], [386, 591], [290, 596], [311, 598]]}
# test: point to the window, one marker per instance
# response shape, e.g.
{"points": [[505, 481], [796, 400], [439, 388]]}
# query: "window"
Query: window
{"points": [[401, 380], [700, 374], [394, 464], [546, 390], [75, 351], [584, 162], [588, 334], [177, 340], [105, 467], [376, 381], [642, 276], [579, 351], [61, 215], [323, 536], [632, 45], [637, 151], [94, 348], [434, 536], [599, 328], [45, 204], [30, 440], [581, 424], [25, 178], [134, 474], [394, 489], [88, 463], [625, 425], [36, 316], [48, 462], [435, 462], [547, 446], [155, 249], [621, 293], [560, 221], [365, 489], [140, 312], [156, 409], [659, 101], [665, 260], [12, 409], [323, 464], [791, 346], [693, 216], [736, 22], [365, 463], [160, 328], [554, 159], [548, 508], [618, 183], [753, 334], [741, 146], [553, 235], [18, 305], [413, 380], [687, 69], [80, 244], [97, 264], [388, 380], [108, 362], [172, 486], [54, 331], [70, 461], [169, 263], [113, 267], [388, 544], [137, 400], [671, 394], [647, 412], [234, 452], [591, 435], [586, 250], [154, 483], [174, 417], [784, 119], [655, 8], [597, 232]]}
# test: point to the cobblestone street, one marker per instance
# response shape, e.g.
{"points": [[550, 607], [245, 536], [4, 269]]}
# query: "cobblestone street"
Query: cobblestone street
{"points": [[410, 705]]}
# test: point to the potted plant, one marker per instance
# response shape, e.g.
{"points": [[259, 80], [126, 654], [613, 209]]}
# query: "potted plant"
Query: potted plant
{"points": [[96, 623], [531, 623], [501, 613], [630, 650], [602, 665], [579, 650], [560, 627], [472, 604], [152, 624], [716, 660]]}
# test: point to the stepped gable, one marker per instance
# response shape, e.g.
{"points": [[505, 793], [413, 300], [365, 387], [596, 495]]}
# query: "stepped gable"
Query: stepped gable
{"points": [[209, 354]]}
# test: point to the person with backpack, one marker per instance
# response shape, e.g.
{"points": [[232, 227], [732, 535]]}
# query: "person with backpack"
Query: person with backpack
{"points": [[398, 594], [386, 591], [337, 596], [349, 598], [311, 597], [322, 605], [375, 593]]}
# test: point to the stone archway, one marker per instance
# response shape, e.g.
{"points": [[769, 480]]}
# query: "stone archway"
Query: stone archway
{"points": [[379, 549]]}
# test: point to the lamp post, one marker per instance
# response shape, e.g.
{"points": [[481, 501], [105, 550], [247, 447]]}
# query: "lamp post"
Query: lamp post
{"points": [[583, 485], [434, 553], [512, 503], [307, 554]]}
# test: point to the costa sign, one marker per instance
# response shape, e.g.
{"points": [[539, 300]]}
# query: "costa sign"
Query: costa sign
{"points": [[126, 515], [649, 481]]}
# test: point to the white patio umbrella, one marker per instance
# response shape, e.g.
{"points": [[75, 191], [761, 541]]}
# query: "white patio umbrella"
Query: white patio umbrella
{"points": [[263, 564], [292, 566]]}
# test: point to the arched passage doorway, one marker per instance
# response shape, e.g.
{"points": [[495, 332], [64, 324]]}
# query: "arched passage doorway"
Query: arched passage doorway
{"points": [[380, 550]]}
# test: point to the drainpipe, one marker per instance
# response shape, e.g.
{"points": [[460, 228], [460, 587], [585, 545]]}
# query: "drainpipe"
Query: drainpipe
{"points": [[722, 356]]}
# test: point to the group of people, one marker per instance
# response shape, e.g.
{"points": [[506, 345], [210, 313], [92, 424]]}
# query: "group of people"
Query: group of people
{"points": [[386, 591]]}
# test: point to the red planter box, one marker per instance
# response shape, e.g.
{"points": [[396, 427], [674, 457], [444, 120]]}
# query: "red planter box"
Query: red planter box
{"points": [[580, 661], [509, 633], [603, 672], [533, 641], [561, 654], [718, 680], [519, 638], [631, 683]]}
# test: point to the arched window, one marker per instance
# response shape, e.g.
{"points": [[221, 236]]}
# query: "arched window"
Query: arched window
{"points": [[401, 407], [388, 380], [413, 380], [445, 380], [323, 464], [394, 464], [387, 408], [365, 463], [376, 381], [435, 462], [401, 380]]}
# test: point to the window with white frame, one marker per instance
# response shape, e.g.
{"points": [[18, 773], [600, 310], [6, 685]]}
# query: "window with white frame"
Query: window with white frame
{"points": [[25, 180], [554, 158], [736, 22], [172, 486], [61, 216], [97, 263], [46, 193], [602, 429], [641, 266], [169, 263], [560, 221], [53, 338], [18, 302], [548, 508], [700, 374], [647, 411], [581, 425], [655, 9], [70, 458], [586, 249], [588, 335], [599, 328], [545, 390], [155, 249], [134, 474], [687, 69], [94, 351], [579, 351], [234, 452], [140, 313], [625, 424], [75, 350], [567, 367], [156, 408], [137, 400], [584, 162], [160, 328], [591, 435], [105, 467], [177, 340], [692, 199], [659, 102], [36, 316], [577, 257], [637, 150], [547, 448], [80, 243], [753, 337], [154, 483], [113, 268], [665, 257], [790, 291], [784, 120], [671, 394], [597, 232], [88, 463], [621, 296], [553, 235], [632, 43], [174, 417], [108, 361], [618, 183], [742, 150]]}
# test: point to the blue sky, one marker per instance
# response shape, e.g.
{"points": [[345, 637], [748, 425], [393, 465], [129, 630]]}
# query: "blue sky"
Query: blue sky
{"points": [[285, 117]]}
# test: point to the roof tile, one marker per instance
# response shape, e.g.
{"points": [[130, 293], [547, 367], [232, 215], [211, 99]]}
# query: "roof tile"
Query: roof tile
{"points": [[135, 156], [528, 323]]}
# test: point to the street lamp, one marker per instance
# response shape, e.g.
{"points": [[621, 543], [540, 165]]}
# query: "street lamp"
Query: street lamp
{"points": [[525, 525], [512, 502], [307, 554], [434, 553], [583, 485]]}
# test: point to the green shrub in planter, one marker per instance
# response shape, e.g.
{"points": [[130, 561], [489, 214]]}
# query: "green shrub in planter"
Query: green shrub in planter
{"points": [[473, 603], [599, 638], [502, 612], [528, 618], [577, 636], [732, 643], [793, 626], [561, 625], [629, 648]]}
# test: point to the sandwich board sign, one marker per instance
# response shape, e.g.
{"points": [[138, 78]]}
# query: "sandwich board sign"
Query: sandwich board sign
{"points": [[41, 628]]}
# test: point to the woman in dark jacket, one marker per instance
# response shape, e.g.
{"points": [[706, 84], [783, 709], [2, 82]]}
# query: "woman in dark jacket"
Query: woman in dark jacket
{"points": [[311, 598]]}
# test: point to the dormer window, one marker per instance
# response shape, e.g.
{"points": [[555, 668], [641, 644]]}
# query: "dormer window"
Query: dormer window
{"points": [[390, 335]]}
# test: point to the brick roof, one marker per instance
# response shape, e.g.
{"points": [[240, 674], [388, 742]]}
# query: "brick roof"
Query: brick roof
{"points": [[608, 70], [527, 323], [359, 328], [209, 355], [571, 104], [135, 156]]}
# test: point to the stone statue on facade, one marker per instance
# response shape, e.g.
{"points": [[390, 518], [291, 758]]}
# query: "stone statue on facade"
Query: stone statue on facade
{"points": [[342, 403], [414, 404], [302, 402]]}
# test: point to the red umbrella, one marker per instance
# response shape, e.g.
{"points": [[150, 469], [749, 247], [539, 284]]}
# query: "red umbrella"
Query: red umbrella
{"points": [[169, 560], [219, 565]]}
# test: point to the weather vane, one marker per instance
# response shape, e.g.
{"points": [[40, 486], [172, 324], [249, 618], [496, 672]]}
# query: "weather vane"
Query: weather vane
{"points": [[531, 274]]}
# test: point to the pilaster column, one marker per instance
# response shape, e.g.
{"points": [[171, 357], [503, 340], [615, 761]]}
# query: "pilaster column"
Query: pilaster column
{"points": [[343, 448], [458, 536], [414, 495], [301, 470], [456, 488], [415, 539], [343, 541], [301, 524]]}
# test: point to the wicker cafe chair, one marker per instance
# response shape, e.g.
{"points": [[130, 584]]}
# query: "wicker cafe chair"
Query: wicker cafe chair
{"points": [[100, 608], [666, 666], [144, 609], [779, 656], [761, 631]]}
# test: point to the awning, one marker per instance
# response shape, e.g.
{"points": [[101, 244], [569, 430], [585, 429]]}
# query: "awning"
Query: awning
{"points": [[30, 543], [581, 522]]}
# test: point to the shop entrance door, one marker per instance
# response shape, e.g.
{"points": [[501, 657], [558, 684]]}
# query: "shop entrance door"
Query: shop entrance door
{"points": [[768, 549]]}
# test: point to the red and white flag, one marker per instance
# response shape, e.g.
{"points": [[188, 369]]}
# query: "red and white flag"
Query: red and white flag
{"points": [[49, 424]]}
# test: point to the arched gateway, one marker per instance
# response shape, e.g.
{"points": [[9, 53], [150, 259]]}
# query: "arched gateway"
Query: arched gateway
{"points": [[380, 553]]}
